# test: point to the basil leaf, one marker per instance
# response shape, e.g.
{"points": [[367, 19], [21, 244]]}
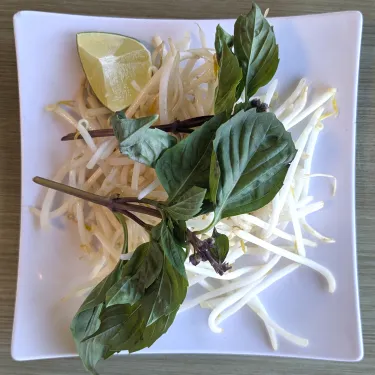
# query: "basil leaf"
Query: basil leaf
{"points": [[207, 207], [222, 37], [125, 290], [188, 204], [138, 141], [86, 321], [166, 294], [83, 325], [179, 234], [221, 246], [152, 332], [118, 326], [125, 329], [242, 106], [139, 273], [98, 294], [188, 163], [256, 49], [229, 77], [173, 251], [214, 177], [125, 326], [122, 221], [240, 88], [253, 152], [144, 336]]}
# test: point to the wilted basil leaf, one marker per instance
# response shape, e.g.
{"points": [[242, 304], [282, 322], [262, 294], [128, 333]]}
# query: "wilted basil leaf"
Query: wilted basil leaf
{"points": [[138, 141]]}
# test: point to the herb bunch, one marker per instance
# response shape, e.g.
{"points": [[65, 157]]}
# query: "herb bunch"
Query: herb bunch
{"points": [[234, 162]]}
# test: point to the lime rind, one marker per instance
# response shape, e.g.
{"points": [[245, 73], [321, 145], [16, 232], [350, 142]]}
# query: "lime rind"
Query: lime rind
{"points": [[111, 62]]}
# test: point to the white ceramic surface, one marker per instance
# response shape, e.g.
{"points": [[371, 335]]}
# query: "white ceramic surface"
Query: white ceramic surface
{"points": [[325, 48]]}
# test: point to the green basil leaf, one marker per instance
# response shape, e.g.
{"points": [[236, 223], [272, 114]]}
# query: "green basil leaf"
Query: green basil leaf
{"points": [[214, 177], [139, 273], [173, 251], [179, 234], [84, 324], [253, 152], [166, 294], [240, 88], [110, 353], [145, 263], [152, 332], [120, 327], [144, 336], [222, 37], [98, 294], [138, 141], [125, 290], [86, 321], [156, 232], [121, 219], [188, 204], [125, 329], [230, 75], [188, 163], [242, 106], [221, 248], [125, 326], [256, 49], [207, 207]]}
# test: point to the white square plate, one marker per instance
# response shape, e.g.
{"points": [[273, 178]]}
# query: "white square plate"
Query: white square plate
{"points": [[325, 48]]}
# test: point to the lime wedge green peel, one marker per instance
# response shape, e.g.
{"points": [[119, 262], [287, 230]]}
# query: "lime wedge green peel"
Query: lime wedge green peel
{"points": [[111, 62]]}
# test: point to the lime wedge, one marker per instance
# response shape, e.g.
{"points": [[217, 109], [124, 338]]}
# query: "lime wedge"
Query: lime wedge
{"points": [[111, 62]]}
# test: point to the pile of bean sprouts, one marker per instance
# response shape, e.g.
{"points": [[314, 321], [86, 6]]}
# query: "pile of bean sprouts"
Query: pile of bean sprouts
{"points": [[182, 86]]}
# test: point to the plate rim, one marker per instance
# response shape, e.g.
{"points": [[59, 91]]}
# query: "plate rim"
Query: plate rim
{"points": [[18, 19]]}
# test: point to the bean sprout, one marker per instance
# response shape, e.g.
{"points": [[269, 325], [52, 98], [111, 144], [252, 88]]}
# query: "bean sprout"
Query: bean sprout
{"points": [[183, 85]]}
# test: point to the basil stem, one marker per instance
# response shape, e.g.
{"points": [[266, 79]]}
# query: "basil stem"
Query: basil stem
{"points": [[110, 203]]}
